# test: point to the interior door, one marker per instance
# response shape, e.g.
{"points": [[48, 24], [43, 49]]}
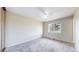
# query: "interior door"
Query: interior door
{"points": [[3, 29]]}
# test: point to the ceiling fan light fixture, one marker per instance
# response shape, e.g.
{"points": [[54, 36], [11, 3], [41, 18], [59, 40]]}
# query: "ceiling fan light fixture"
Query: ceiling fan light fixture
{"points": [[45, 16]]}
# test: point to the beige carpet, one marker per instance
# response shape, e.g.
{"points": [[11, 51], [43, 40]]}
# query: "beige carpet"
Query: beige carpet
{"points": [[42, 45]]}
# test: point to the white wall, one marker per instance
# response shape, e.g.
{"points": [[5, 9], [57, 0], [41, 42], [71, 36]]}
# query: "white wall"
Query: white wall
{"points": [[21, 29], [76, 29], [66, 30]]}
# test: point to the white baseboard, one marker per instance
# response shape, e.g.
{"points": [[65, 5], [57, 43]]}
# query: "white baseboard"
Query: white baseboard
{"points": [[59, 40]]}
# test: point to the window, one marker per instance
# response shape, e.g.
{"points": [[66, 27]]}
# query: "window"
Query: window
{"points": [[54, 28]]}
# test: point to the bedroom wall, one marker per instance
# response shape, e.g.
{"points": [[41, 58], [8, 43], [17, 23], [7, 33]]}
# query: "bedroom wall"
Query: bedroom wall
{"points": [[20, 29], [66, 30]]}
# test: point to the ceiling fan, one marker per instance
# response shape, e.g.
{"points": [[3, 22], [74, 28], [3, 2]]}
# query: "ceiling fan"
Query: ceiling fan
{"points": [[44, 12]]}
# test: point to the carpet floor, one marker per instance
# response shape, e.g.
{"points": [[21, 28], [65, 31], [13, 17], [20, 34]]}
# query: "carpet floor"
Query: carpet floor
{"points": [[42, 45]]}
